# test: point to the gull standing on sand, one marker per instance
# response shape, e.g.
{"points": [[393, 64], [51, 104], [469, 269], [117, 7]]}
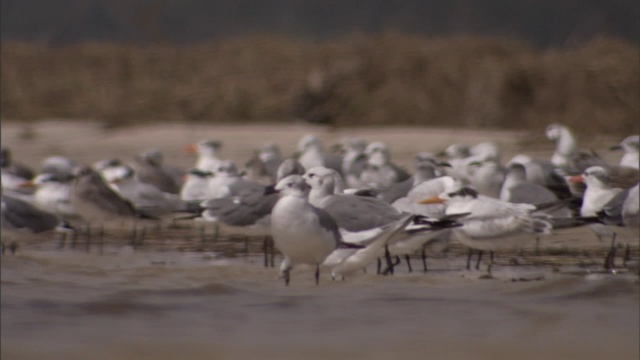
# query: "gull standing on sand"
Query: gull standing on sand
{"points": [[491, 223], [303, 233]]}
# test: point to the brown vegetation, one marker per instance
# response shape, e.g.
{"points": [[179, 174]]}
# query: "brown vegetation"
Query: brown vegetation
{"points": [[387, 79]]}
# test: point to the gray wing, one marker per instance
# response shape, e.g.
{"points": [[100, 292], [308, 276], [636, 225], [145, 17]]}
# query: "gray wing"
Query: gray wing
{"points": [[155, 176], [93, 190], [396, 191], [355, 213], [22, 215], [611, 212], [328, 223], [241, 211], [530, 193]]}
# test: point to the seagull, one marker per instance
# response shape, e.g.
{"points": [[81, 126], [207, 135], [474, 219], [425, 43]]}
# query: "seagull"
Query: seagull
{"points": [[13, 175], [156, 157], [7, 164], [631, 146], [271, 158], [567, 157], [516, 189], [256, 170], [426, 168], [196, 185], [144, 196], [486, 177], [354, 160], [19, 218], [491, 222], [311, 153], [380, 172], [53, 194], [249, 210], [95, 201], [149, 170], [207, 151], [303, 233], [57, 165]]}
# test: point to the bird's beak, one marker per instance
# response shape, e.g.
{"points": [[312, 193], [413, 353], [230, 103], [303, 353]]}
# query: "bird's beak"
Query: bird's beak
{"points": [[27, 184], [431, 200], [442, 153], [115, 181], [191, 149], [615, 147], [576, 179], [271, 189], [444, 164]]}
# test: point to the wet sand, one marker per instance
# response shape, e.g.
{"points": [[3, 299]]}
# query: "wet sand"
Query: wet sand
{"points": [[179, 296]]}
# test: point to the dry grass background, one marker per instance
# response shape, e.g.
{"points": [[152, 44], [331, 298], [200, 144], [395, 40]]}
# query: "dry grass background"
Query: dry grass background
{"points": [[387, 79]]}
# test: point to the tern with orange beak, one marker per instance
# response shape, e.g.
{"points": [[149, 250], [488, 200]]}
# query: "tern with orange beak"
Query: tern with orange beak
{"points": [[491, 223]]}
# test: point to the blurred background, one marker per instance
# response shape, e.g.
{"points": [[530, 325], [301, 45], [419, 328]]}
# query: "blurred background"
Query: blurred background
{"points": [[489, 64]]}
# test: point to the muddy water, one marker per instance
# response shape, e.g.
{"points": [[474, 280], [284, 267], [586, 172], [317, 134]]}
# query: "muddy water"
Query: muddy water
{"points": [[181, 296]]}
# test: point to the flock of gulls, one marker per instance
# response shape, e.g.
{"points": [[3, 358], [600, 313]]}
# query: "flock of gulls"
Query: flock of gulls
{"points": [[340, 209]]}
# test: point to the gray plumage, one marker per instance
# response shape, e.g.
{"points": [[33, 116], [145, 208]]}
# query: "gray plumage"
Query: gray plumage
{"points": [[94, 200], [21, 216]]}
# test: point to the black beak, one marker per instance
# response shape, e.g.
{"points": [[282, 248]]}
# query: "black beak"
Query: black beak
{"points": [[271, 189], [444, 164], [615, 147]]}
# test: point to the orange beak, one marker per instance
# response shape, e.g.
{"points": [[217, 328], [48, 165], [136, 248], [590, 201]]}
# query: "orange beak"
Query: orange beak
{"points": [[576, 179], [191, 149], [27, 184], [431, 200]]}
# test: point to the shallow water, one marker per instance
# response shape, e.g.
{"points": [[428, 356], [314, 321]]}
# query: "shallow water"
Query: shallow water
{"points": [[180, 295], [158, 303]]}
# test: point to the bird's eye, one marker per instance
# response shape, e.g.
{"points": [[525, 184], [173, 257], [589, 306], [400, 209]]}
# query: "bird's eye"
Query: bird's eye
{"points": [[290, 184], [311, 175]]}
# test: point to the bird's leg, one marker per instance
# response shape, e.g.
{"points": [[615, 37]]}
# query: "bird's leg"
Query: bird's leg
{"points": [[101, 244], [63, 239], [2, 247], [627, 255], [272, 246], [143, 231], [387, 256], [491, 257], [379, 266], [317, 274], [74, 237], [132, 235], [13, 246], [216, 231], [537, 246], [408, 259], [203, 237], [480, 252], [424, 258], [87, 243], [469, 254], [265, 249], [246, 245], [609, 260]]}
